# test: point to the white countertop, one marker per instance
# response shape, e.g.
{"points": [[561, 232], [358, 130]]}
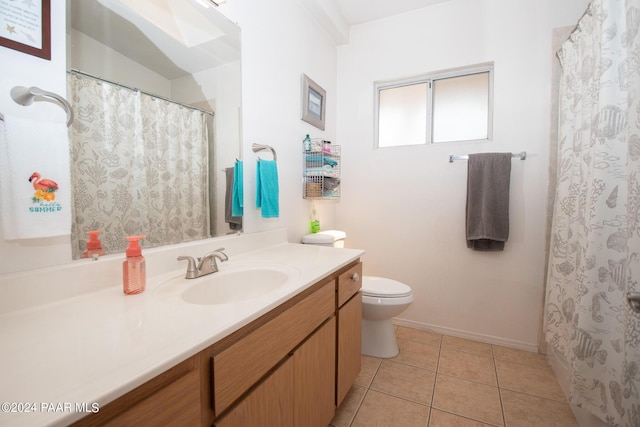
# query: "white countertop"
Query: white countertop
{"points": [[94, 347]]}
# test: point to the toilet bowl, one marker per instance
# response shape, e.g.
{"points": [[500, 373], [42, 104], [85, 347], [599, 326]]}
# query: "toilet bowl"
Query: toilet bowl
{"points": [[382, 299]]}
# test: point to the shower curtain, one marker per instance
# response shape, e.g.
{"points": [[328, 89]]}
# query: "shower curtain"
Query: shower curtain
{"points": [[138, 166], [595, 235]]}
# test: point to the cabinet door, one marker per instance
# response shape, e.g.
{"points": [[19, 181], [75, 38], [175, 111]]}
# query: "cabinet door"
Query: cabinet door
{"points": [[170, 399], [268, 405], [349, 345], [314, 378]]}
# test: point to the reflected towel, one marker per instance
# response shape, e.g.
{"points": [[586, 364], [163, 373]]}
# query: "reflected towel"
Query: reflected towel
{"points": [[267, 188], [235, 222], [237, 202], [35, 189], [487, 213]]}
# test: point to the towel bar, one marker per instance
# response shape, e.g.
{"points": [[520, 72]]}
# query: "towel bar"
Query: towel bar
{"points": [[522, 155], [260, 147], [25, 96]]}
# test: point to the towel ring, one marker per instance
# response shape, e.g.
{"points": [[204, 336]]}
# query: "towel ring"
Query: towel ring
{"points": [[261, 147], [25, 96]]}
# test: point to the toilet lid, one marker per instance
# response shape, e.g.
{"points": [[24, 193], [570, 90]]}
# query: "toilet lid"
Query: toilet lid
{"points": [[382, 287]]}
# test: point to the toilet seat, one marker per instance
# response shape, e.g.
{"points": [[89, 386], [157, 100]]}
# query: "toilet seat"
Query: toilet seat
{"points": [[381, 287]]}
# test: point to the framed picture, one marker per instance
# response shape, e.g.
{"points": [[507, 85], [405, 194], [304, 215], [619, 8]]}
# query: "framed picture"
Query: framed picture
{"points": [[26, 26], [313, 102]]}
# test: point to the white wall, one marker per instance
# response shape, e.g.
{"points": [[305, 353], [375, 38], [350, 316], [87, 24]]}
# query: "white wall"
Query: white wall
{"points": [[406, 205]]}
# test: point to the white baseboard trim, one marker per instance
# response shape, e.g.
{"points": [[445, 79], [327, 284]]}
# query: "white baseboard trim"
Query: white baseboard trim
{"points": [[489, 339]]}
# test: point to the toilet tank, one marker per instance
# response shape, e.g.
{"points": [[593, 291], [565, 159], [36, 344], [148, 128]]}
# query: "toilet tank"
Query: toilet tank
{"points": [[333, 238]]}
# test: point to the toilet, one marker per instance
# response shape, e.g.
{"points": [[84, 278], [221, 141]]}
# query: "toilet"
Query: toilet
{"points": [[382, 299]]}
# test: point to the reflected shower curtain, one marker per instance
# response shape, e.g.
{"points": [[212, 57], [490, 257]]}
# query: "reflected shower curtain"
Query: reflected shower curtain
{"points": [[595, 237], [138, 166]]}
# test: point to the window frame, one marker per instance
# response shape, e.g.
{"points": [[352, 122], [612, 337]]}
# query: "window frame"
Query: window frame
{"points": [[429, 78]]}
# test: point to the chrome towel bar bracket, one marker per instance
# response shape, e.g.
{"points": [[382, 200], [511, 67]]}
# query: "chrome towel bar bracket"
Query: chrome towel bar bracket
{"points": [[25, 96]]}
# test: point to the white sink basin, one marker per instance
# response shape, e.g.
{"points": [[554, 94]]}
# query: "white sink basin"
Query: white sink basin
{"points": [[227, 286]]}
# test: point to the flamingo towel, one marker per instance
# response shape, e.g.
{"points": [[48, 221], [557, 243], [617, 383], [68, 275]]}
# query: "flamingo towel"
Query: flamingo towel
{"points": [[35, 189]]}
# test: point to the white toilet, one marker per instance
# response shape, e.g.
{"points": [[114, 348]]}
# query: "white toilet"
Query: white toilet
{"points": [[382, 299]]}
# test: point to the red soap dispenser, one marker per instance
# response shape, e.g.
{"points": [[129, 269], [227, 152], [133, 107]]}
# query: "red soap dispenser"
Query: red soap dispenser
{"points": [[94, 246], [134, 275]]}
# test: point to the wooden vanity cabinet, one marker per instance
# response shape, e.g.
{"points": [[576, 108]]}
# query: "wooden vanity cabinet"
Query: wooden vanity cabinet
{"points": [[290, 367], [300, 392], [170, 399], [349, 330]]}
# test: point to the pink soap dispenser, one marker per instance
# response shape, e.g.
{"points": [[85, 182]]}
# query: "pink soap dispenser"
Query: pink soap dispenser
{"points": [[94, 246], [134, 275]]}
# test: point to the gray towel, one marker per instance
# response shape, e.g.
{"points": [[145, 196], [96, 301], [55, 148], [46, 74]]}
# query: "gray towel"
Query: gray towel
{"points": [[235, 222], [488, 201]]}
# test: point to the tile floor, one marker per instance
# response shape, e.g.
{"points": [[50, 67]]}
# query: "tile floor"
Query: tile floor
{"points": [[443, 381]]}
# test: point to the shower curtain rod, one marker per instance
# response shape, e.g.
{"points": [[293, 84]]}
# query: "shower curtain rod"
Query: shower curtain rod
{"points": [[91, 76]]}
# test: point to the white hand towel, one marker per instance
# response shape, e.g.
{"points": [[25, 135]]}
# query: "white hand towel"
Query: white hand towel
{"points": [[35, 189]]}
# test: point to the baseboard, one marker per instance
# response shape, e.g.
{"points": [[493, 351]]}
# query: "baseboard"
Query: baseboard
{"points": [[489, 339]]}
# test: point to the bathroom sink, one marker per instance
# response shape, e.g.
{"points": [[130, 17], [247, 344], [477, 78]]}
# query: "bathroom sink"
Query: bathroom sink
{"points": [[227, 286]]}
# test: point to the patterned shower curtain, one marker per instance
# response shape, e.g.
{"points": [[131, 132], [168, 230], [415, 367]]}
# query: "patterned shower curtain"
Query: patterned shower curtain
{"points": [[595, 237], [138, 166]]}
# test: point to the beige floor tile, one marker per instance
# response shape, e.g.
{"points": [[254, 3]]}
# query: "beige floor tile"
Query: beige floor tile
{"points": [[347, 410], [417, 354], [469, 346], [519, 356], [405, 381], [382, 410], [419, 335], [368, 368], [523, 410], [444, 419], [469, 399], [467, 366], [535, 380]]}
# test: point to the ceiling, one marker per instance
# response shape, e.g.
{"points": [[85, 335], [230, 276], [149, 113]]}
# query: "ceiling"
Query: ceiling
{"points": [[361, 11]]}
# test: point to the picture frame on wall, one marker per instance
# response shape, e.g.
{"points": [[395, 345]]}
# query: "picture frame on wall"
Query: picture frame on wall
{"points": [[313, 102], [25, 26]]}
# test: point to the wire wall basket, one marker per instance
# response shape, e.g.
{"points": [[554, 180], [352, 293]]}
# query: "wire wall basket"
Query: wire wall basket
{"points": [[321, 170]]}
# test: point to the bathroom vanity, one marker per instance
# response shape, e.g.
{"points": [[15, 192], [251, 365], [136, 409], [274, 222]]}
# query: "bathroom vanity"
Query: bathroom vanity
{"points": [[287, 357]]}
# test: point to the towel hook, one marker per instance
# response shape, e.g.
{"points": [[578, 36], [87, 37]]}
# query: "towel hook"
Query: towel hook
{"points": [[25, 96], [261, 147]]}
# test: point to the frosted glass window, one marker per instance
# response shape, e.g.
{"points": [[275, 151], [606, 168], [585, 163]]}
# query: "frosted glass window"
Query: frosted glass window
{"points": [[403, 115], [461, 108], [447, 106]]}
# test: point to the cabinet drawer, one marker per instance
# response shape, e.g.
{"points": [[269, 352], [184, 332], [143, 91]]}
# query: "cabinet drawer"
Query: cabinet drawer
{"points": [[349, 283], [239, 366]]}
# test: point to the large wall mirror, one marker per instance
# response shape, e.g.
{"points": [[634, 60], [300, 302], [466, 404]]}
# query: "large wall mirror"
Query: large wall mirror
{"points": [[156, 91]]}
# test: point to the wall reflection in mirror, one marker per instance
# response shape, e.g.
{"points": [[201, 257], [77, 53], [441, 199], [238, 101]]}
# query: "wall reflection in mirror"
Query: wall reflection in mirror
{"points": [[156, 143]]}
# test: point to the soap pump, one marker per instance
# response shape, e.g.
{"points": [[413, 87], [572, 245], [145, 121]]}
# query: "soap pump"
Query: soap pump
{"points": [[94, 246], [134, 275], [315, 222]]}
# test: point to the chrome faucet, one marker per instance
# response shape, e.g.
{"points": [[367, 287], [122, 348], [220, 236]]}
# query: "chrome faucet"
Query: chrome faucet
{"points": [[206, 264]]}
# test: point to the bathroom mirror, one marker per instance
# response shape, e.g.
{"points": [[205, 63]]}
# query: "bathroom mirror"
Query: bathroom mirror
{"points": [[181, 59]]}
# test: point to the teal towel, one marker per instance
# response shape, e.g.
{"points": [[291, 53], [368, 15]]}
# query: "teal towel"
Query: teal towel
{"points": [[267, 188], [318, 159], [237, 203]]}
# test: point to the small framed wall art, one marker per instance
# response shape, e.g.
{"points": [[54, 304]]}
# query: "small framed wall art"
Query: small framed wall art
{"points": [[26, 26], [313, 102]]}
